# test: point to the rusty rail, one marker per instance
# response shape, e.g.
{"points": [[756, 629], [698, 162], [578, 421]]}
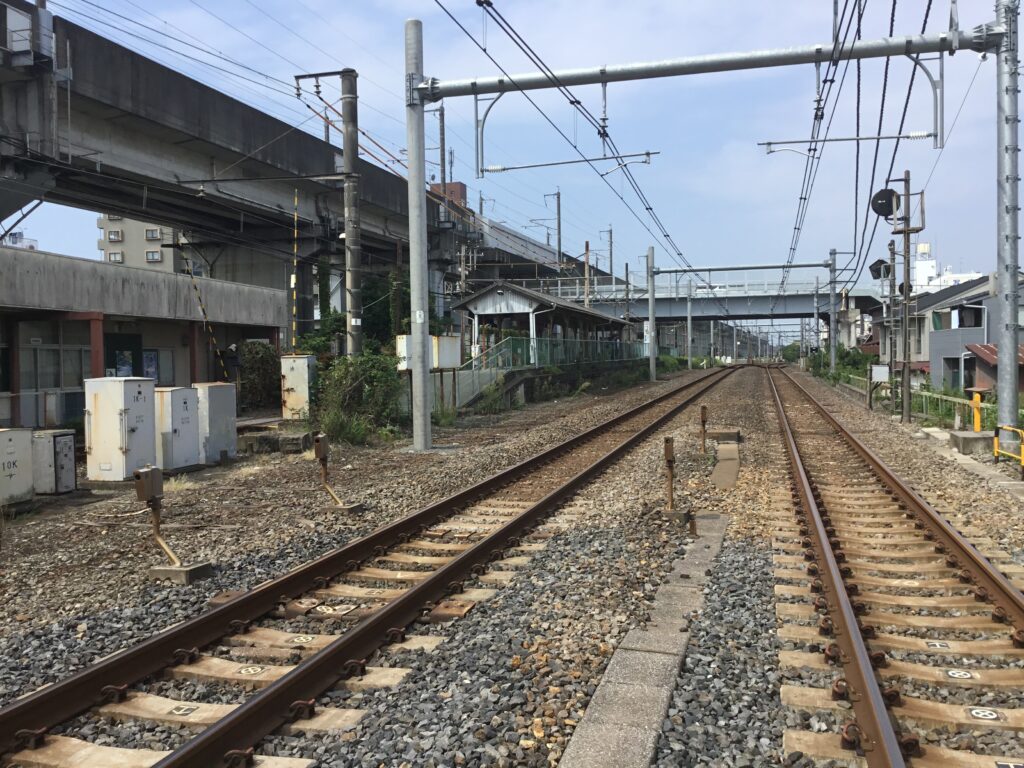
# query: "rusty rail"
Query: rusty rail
{"points": [[270, 708], [265, 711], [989, 583], [872, 731]]}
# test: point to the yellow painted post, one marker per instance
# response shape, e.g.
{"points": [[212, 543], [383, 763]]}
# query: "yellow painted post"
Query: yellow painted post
{"points": [[976, 407]]}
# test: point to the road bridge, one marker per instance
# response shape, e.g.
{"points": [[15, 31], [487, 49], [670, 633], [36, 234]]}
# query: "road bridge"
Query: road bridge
{"points": [[743, 299]]}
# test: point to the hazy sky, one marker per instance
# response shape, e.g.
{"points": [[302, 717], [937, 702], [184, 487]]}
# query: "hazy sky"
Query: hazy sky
{"points": [[722, 198]]}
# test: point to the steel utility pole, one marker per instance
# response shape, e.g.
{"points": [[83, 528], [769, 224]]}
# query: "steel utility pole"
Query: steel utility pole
{"points": [[652, 326], [586, 273], [892, 304], [557, 194], [419, 363], [444, 160], [353, 237], [832, 309], [817, 320], [689, 325], [905, 379], [1000, 35], [1007, 221]]}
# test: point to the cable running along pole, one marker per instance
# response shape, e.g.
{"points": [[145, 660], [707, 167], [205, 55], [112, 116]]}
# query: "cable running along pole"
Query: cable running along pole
{"points": [[1007, 222]]}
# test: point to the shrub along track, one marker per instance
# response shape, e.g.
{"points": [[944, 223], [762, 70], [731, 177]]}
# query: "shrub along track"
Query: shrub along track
{"points": [[906, 631], [387, 580]]}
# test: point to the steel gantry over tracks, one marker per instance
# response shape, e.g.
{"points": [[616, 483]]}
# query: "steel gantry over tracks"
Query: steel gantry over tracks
{"points": [[999, 36]]}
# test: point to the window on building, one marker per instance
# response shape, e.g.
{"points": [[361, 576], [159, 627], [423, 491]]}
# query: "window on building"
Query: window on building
{"points": [[48, 368], [113, 218], [154, 256], [114, 236], [115, 257], [152, 234]]}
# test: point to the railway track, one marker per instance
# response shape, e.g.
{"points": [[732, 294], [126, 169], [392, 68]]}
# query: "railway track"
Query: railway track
{"points": [[905, 630], [291, 640]]}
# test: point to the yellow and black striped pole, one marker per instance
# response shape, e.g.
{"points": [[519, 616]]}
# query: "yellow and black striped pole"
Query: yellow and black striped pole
{"points": [[206, 318]]}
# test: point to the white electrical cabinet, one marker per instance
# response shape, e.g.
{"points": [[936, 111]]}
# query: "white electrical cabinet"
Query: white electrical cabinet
{"points": [[120, 427], [15, 466], [298, 377], [217, 428], [177, 427], [445, 352], [53, 461]]}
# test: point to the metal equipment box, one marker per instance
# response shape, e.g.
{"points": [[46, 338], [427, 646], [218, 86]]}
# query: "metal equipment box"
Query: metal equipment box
{"points": [[120, 427], [177, 427], [218, 432], [298, 378], [53, 461], [445, 352], [15, 466]]}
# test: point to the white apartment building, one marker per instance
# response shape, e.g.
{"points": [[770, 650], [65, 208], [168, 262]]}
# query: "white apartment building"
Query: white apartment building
{"points": [[133, 243]]}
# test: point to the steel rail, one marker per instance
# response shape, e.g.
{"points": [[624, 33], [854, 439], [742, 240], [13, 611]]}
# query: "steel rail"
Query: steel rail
{"points": [[876, 738], [61, 701], [990, 583], [271, 707]]}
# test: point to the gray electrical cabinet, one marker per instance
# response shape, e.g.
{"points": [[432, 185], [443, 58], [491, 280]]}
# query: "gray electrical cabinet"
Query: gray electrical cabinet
{"points": [[53, 461]]}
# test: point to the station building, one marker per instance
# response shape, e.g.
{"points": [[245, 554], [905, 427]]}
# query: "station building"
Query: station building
{"points": [[64, 319]]}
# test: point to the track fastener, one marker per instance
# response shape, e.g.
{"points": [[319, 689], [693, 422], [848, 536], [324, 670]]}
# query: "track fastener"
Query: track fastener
{"points": [[850, 736], [240, 626], [302, 709], [31, 738], [395, 635], [114, 694], [353, 668], [840, 690], [910, 746], [240, 758], [185, 655]]}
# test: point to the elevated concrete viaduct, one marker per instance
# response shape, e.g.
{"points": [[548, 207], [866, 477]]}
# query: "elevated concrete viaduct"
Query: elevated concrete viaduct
{"points": [[119, 133]]}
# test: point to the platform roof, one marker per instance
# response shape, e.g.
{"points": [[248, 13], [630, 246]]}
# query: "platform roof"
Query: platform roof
{"points": [[500, 287]]}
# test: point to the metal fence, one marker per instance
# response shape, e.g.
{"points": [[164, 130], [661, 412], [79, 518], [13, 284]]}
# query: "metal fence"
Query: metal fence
{"points": [[945, 410], [515, 353]]}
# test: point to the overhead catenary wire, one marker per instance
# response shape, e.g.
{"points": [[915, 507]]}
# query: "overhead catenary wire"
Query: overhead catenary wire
{"points": [[577, 104], [862, 258], [816, 147]]}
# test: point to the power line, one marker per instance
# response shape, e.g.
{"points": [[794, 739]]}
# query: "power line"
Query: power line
{"points": [[595, 122], [861, 262], [815, 147]]}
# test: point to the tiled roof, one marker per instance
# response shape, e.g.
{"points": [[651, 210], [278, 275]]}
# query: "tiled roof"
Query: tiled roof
{"points": [[990, 354]]}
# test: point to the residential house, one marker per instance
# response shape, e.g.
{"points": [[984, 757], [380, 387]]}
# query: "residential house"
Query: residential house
{"points": [[964, 327], [928, 312]]}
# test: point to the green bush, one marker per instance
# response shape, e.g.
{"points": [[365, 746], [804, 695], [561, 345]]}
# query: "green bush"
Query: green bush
{"points": [[359, 397], [443, 416], [261, 375], [492, 398], [668, 364]]}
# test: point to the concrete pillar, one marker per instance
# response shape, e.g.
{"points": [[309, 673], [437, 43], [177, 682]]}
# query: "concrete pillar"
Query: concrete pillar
{"points": [[194, 345], [96, 350], [14, 367]]}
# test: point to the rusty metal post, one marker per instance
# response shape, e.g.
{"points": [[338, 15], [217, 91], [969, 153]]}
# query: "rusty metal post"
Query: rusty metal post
{"points": [[149, 487], [670, 465], [322, 451], [703, 429]]}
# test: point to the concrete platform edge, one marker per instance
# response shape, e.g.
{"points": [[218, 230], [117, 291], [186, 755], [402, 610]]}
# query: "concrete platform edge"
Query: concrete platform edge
{"points": [[622, 724]]}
